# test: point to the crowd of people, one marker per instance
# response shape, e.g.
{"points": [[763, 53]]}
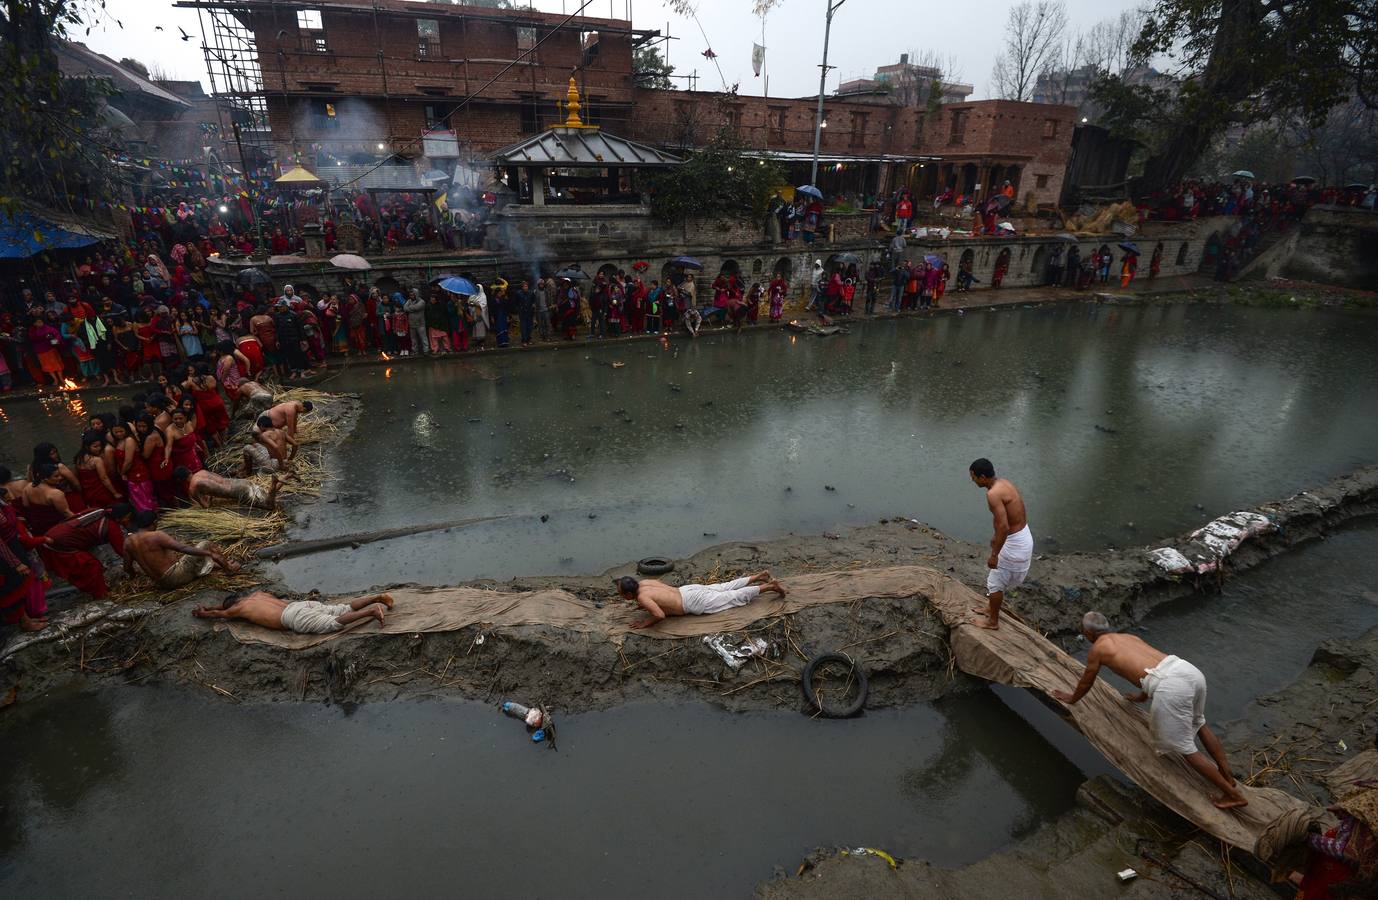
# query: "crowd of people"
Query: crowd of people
{"points": [[149, 455]]}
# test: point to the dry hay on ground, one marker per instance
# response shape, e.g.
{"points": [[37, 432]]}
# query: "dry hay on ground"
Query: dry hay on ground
{"points": [[140, 589], [224, 526]]}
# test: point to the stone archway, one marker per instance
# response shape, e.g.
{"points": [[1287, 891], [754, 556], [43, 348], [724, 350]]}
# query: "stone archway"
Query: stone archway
{"points": [[968, 259], [1182, 254], [1039, 267], [387, 285], [783, 267]]}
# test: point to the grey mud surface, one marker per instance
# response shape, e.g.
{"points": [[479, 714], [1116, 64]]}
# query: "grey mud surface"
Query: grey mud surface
{"points": [[899, 641]]}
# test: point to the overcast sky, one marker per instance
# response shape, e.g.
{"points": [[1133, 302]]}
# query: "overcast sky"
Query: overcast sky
{"points": [[866, 33]]}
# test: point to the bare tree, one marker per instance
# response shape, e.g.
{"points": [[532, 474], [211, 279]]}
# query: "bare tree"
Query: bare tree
{"points": [[1109, 44], [1055, 79], [1033, 34]]}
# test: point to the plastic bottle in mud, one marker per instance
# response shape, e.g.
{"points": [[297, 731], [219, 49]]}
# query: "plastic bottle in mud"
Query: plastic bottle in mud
{"points": [[530, 715]]}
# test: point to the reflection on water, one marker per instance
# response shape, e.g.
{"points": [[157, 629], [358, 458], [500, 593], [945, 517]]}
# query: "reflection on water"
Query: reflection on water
{"points": [[1116, 423], [399, 799]]}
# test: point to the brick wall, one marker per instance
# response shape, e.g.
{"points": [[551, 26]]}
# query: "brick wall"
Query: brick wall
{"points": [[684, 118], [470, 51]]}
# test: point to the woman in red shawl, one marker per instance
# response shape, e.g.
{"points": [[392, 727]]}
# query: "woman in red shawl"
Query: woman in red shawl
{"points": [[215, 419], [23, 600], [97, 486]]}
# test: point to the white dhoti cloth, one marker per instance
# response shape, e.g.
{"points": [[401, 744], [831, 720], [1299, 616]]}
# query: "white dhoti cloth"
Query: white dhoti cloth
{"points": [[1178, 710], [261, 460], [249, 493], [1013, 562], [702, 599], [187, 569], [313, 616]]}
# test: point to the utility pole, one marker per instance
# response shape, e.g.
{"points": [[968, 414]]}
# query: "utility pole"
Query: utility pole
{"points": [[822, 86]]}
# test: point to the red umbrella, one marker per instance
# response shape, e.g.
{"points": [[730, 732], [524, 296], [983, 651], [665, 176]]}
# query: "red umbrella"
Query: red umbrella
{"points": [[641, 265]]}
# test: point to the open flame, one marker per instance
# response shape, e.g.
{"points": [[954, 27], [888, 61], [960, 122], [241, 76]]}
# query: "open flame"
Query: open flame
{"points": [[384, 356], [387, 373], [68, 385]]}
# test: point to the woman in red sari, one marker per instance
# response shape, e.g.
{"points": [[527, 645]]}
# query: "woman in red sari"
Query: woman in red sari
{"points": [[153, 449], [182, 448], [71, 485], [23, 600], [123, 458], [97, 486], [215, 419]]}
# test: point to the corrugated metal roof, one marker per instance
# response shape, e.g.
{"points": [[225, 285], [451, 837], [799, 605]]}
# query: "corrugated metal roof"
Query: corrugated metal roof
{"points": [[582, 147]]}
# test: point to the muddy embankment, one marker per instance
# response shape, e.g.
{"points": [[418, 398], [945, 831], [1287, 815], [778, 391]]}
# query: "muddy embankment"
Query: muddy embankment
{"points": [[900, 642]]}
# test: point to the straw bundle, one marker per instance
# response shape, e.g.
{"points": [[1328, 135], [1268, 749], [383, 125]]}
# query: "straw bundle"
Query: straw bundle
{"points": [[139, 588], [223, 525]]}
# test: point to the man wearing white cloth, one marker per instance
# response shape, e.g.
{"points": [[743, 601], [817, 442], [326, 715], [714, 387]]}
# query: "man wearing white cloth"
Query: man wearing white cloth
{"points": [[1011, 550], [1178, 691], [301, 616], [661, 600]]}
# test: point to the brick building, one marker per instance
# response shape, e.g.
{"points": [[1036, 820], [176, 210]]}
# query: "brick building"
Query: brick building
{"points": [[354, 82]]}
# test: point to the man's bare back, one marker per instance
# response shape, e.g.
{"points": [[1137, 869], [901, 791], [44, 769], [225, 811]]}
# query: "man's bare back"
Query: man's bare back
{"points": [[284, 415], [158, 551], [668, 598], [205, 484], [262, 608], [1003, 494], [1126, 655]]}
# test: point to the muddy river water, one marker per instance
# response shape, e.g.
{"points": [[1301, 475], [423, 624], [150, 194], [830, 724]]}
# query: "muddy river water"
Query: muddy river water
{"points": [[1120, 424], [157, 792], [1105, 416]]}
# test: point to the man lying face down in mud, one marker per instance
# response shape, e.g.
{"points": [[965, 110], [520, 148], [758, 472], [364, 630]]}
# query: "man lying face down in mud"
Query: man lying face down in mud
{"points": [[661, 600], [205, 487], [1178, 691], [166, 560], [301, 616]]}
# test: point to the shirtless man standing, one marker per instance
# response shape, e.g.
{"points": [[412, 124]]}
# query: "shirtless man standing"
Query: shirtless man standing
{"points": [[285, 415], [1178, 693], [166, 560], [302, 616], [1011, 550], [276, 439], [661, 600], [205, 486]]}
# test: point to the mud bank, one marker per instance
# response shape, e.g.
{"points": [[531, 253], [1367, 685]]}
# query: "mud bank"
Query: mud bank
{"points": [[1322, 719], [901, 644], [1114, 827]]}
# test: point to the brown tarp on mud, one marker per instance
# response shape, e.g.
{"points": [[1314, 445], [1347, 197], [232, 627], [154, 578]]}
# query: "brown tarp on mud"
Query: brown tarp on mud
{"points": [[1017, 655], [450, 609]]}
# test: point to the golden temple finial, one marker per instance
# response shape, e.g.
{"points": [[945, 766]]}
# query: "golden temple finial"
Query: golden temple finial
{"points": [[573, 105]]}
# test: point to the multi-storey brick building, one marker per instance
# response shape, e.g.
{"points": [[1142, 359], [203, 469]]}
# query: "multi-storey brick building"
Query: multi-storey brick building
{"points": [[352, 82]]}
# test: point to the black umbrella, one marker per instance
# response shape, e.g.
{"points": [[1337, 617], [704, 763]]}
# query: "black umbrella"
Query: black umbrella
{"points": [[1000, 201], [686, 262], [1070, 238], [847, 259], [573, 273], [1130, 247], [253, 277]]}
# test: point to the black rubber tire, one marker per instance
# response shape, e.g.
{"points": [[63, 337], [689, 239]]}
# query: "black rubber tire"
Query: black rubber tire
{"points": [[654, 565], [863, 686]]}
